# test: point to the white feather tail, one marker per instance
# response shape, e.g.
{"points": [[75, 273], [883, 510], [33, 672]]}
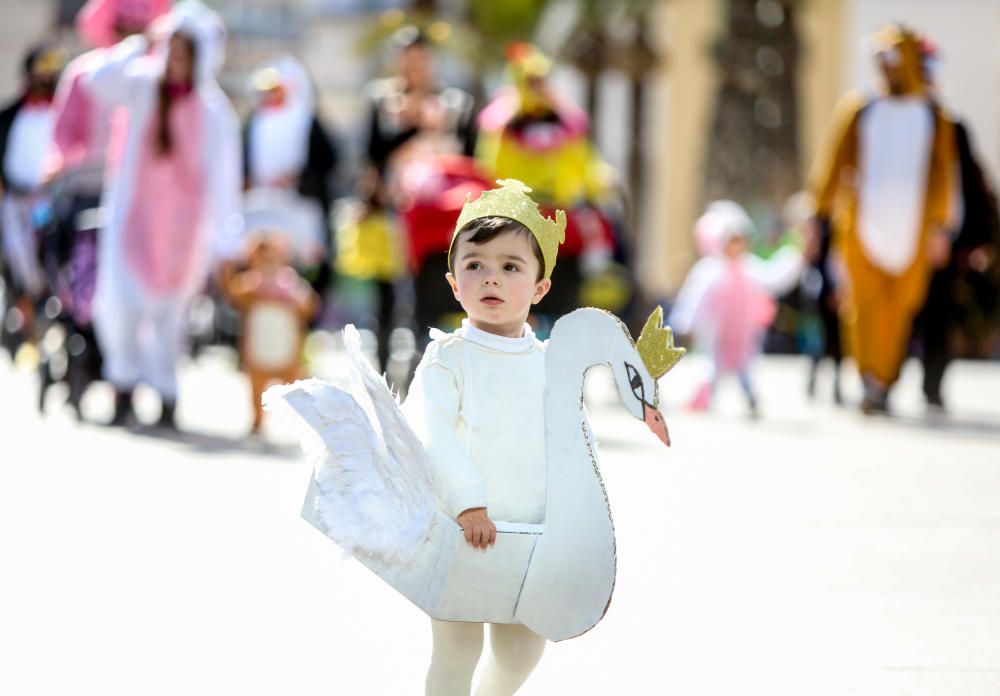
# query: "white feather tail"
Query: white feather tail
{"points": [[376, 498]]}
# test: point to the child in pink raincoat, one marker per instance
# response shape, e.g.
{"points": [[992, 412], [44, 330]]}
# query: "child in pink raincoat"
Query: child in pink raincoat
{"points": [[727, 300]]}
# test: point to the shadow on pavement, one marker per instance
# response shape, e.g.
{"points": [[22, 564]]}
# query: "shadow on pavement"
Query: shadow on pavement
{"points": [[208, 443], [966, 424]]}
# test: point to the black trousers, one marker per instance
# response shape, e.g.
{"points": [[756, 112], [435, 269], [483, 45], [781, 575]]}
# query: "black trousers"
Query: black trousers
{"points": [[932, 327]]}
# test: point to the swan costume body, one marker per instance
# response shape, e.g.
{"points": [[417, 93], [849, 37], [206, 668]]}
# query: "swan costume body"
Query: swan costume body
{"points": [[388, 490]]}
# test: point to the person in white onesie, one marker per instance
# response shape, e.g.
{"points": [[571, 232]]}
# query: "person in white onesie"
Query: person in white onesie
{"points": [[172, 199], [476, 403]]}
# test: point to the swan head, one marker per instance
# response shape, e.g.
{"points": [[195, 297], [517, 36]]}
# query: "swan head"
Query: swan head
{"points": [[637, 367]]}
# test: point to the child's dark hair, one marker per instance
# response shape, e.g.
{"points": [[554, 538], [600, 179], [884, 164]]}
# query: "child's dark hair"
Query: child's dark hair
{"points": [[482, 230]]}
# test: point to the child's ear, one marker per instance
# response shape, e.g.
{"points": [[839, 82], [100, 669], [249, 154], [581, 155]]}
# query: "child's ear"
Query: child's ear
{"points": [[542, 288], [453, 283]]}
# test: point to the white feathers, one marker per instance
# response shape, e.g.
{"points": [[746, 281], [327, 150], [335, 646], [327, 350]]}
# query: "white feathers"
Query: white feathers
{"points": [[376, 496]]}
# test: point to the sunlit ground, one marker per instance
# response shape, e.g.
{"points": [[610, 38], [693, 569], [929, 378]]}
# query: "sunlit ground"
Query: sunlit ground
{"points": [[812, 551]]}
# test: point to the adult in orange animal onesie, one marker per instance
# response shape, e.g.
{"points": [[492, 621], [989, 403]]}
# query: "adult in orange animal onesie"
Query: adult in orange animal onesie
{"points": [[885, 182]]}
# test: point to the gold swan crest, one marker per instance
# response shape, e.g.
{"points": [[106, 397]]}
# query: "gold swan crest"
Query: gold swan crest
{"points": [[656, 345]]}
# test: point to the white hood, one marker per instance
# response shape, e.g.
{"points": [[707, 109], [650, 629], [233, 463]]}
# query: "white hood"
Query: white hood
{"points": [[294, 78], [197, 21]]}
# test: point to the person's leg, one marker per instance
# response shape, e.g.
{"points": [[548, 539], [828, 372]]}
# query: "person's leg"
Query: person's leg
{"points": [[258, 383], [933, 326], [514, 652], [874, 336], [702, 398], [455, 653], [814, 361], [116, 328], [168, 333], [862, 317], [386, 305], [833, 346], [747, 385]]}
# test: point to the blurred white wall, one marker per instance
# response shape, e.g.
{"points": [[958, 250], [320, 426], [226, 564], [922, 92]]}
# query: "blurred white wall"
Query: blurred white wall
{"points": [[967, 33], [23, 23]]}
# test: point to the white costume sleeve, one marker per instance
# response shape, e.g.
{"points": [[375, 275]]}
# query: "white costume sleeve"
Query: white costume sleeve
{"points": [[115, 80], [778, 274], [432, 409], [226, 181], [684, 314]]}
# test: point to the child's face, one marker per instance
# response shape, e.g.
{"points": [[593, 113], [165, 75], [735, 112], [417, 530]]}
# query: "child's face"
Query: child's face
{"points": [[268, 256], [735, 246], [495, 282]]}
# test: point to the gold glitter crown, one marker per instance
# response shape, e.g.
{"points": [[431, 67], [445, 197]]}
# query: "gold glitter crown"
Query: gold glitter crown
{"points": [[511, 201], [656, 345]]}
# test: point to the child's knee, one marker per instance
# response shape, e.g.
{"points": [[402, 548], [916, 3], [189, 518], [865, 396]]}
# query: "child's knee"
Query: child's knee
{"points": [[515, 648], [457, 645]]}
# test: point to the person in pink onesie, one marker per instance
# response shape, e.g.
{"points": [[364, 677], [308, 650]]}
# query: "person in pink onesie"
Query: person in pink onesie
{"points": [[82, 121], [727, 300], [172, 201]]}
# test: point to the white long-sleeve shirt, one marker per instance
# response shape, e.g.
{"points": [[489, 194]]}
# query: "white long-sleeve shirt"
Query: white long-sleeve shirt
{"points": [[476, 403]]}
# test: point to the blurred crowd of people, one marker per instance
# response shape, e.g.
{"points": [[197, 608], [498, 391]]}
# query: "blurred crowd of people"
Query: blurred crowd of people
{"points": [[131, 194], [132, 197]]}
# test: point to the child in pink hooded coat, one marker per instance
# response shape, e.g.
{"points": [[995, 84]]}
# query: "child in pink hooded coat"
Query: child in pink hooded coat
{"points": [[727, 300]]}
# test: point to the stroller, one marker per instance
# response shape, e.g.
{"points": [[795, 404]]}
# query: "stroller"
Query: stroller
{"points": [[68, 350]]}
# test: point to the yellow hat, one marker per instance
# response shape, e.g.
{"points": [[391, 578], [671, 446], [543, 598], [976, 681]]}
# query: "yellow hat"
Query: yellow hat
{"points": [[511, 201], [48, 62], [266, 79]]}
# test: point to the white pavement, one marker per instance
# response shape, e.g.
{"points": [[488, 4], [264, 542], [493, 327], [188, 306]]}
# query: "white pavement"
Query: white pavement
{"points": [[810, 552]]}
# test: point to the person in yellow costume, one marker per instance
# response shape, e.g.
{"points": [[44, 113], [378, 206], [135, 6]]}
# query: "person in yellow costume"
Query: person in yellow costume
{"points": [[884, 187], [530, 133]]}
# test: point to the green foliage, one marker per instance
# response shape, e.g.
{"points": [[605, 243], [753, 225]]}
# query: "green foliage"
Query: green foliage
{"points": [[510, 20]]}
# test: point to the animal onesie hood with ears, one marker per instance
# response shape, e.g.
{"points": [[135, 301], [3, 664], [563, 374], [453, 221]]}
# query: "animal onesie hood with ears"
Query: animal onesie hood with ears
{"points": [[885, 182], [168, 216]]}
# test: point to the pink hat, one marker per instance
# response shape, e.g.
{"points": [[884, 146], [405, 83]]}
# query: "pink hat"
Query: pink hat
{"points": [[97, 20], [720, 222]]}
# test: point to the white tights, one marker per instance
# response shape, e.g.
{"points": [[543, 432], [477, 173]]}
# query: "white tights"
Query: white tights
{"points": [[514, 652]]}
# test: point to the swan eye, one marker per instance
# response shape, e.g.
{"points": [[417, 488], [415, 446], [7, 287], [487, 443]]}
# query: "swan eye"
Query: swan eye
{"points": [[635, 382]]}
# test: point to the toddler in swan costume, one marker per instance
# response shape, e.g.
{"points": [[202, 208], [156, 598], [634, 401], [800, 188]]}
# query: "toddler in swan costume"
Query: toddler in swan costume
{"points": [[493, 429]]}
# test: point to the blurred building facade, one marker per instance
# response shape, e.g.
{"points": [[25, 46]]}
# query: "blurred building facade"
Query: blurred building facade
{"points": [[833, 58]]}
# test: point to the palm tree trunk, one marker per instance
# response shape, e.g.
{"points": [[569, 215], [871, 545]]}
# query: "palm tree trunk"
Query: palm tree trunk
{"points": [[753, 146]]}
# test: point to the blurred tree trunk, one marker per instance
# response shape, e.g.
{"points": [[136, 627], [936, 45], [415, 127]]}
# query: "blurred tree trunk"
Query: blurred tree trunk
{"points": [[587, 51], [753, 144]]}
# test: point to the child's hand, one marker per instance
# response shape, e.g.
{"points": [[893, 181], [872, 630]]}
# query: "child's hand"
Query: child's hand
{"points": [[479, 529]]}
